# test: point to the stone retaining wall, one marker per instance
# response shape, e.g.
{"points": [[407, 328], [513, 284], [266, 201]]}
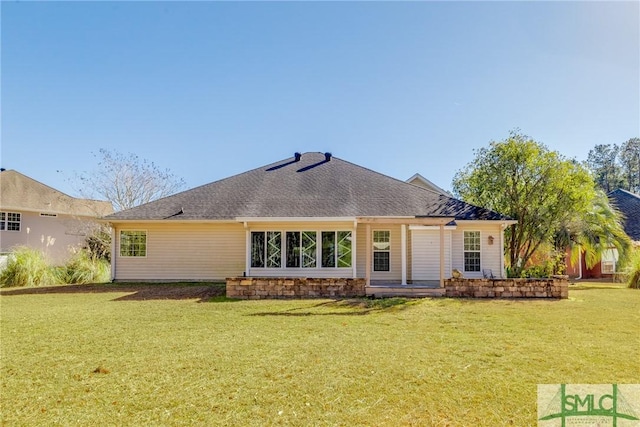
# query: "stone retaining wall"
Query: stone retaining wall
{"points": [[279, 288], [555, 287]]}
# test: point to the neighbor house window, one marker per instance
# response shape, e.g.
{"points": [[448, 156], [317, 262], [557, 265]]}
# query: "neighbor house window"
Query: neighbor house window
{"points": [[381, 250], [133, 243], [471, 251], [266, 249], [609, 260], [10, 221], [301, 249]]}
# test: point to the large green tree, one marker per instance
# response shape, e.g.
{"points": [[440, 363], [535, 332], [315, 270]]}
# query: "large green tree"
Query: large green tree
{"points": [[616, 166], [603, 162], [630, 161], [540, 188]]}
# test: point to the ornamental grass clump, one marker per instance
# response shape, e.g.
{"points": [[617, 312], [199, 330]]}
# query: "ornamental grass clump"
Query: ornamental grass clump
{"points": [[84, 268], [28, 267]]}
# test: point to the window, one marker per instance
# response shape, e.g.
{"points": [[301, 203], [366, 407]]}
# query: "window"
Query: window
{"points": [[381, 250], [10, 221], [471, 251], [133, 243], [266, 249], [301, 249], [609, 260], [336, 249]]}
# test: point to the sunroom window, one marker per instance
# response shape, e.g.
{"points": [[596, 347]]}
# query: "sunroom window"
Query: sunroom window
{"points": [[266, 249], [301, 249], [336, 249]]}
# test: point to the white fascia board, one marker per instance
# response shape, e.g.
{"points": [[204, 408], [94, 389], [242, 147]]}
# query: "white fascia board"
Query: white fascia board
{"points": [[431, 227], [296, 219], [485, 221], [165, 221]]}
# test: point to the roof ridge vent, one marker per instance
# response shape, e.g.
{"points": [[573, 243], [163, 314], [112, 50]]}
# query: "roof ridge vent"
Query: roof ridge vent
{"points": [[298, 156], [327, 157]]}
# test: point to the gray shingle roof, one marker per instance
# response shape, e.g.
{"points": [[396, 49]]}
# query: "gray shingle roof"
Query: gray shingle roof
{"points": [[310, 187], [629, 204], [20, 192]]}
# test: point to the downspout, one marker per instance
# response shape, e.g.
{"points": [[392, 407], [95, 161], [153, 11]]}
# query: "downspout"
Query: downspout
{"points": [[579, 265], [502, 228]]}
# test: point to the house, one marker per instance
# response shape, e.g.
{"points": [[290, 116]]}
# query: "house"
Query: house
{"points": [[309, 216], [35, 215], [421, 181], [629, 205]]}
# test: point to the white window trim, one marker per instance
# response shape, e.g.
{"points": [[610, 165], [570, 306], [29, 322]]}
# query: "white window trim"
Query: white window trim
{"points": [[5, 222], [464, 251], [283, 243], [374, 250], [146, 249]]}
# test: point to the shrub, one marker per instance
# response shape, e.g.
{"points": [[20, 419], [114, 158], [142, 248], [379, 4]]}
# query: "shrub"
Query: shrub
{"points": [[84, 268], [28, 267], [633, 270]]}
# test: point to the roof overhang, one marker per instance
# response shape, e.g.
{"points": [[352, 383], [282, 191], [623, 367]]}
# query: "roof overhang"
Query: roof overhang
{"points": [[297, 219], [504, 222], [166, 221], [406, 220]]}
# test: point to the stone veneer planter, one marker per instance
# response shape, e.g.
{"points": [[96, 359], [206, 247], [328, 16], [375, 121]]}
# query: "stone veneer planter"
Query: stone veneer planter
{"points": [[280, 288], [554, 287]]}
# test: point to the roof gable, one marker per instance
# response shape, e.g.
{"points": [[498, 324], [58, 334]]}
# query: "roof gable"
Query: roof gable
{"points": [[629, 204], [312, 185], [421, 181], [20, 192]]}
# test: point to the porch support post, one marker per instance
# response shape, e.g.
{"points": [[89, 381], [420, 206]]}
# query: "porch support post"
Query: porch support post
{"points": [[114, 254], [367, 274], [441, 255], [354, 245], [247, 259], [403, 252]]}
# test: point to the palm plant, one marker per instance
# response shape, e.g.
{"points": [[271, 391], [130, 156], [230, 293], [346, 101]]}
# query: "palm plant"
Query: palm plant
{"points": [[594, 232]]}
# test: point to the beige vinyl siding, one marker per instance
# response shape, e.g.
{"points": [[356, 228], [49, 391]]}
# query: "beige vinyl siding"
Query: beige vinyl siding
{"points": [[184, 252], [490, 255], [425, 251]]}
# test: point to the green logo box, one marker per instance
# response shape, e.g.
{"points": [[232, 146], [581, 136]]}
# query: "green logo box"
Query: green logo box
{"points": [[564, 405]]}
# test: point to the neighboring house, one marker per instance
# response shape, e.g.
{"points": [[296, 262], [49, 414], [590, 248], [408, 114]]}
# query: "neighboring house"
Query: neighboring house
{"points": [[629, 205], [421, 181], [313, 216], [36, 215]]}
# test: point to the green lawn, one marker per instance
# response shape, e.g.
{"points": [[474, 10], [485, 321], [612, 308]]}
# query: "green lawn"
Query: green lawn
{"points": [[108, 358]]}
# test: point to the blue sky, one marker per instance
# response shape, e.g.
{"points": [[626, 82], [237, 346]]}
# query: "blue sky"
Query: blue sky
{"points": [[212, 89]]}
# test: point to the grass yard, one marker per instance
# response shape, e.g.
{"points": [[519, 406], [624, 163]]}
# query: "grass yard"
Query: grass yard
{"points": [[107, 357]]}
